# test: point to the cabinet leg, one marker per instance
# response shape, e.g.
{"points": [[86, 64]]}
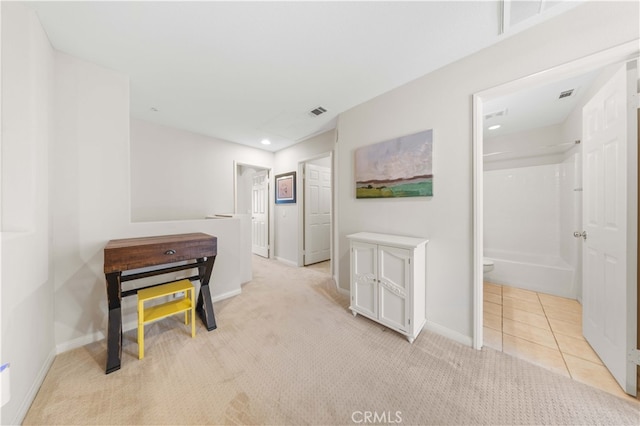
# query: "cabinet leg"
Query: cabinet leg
{"points": [[355, 314], [411, 339]]}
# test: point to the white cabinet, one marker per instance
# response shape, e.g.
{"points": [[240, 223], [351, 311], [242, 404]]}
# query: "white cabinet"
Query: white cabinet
{"points": [[388, 274]]}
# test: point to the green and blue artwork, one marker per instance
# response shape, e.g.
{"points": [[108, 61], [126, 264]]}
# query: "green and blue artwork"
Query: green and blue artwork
{"points": [[400, 167]]}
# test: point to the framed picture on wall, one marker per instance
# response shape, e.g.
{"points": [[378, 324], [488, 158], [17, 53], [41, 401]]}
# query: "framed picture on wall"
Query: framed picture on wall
{"points": [[286, 188], [400, 167]]}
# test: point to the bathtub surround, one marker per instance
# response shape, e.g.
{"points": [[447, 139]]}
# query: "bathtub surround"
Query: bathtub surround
{"points": [[527, 214]]}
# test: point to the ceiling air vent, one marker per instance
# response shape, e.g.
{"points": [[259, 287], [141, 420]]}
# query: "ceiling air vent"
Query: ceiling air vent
{"points": [[565, 94], [317, 111], [495, 114]]}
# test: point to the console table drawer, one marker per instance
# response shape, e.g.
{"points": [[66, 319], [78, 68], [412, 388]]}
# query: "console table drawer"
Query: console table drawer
{"points": [[133, 253]]}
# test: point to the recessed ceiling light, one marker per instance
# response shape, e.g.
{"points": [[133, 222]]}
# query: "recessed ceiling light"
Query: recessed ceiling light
{"points": [[495, 126], [265, 142]]}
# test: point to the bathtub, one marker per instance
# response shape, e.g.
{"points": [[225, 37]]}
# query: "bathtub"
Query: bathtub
{"points": [[544, 274]]}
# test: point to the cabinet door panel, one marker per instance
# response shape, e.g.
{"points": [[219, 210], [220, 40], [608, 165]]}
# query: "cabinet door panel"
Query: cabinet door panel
{"points": [[394, 276], [363, 273]]}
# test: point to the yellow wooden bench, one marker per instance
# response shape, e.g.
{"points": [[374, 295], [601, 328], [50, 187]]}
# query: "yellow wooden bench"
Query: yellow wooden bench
{"points": [[185, 304]]}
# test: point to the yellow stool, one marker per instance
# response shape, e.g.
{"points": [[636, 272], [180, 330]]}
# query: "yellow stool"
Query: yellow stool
{"points": [[153, 313]]}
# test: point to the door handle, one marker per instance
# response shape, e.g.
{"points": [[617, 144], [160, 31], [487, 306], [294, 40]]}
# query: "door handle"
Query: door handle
{"points": [[582, 234]]}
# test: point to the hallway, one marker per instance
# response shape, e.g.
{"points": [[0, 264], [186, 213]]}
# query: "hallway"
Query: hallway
{"points": [[545, 330]]}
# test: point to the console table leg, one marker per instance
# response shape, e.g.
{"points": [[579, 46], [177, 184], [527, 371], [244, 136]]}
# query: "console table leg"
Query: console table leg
{"points": [[114, 331], [114, 341], [205, 305], [205, 308]]}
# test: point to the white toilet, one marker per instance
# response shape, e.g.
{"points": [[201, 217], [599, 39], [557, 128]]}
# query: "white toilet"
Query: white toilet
{"points": [[487, 265]]}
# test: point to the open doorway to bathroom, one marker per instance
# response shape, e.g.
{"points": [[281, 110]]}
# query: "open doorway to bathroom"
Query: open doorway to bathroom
{"points": [[530, 194]]}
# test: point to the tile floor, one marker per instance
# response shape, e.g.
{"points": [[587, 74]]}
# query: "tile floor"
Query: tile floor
{"points": [[545, 330]]}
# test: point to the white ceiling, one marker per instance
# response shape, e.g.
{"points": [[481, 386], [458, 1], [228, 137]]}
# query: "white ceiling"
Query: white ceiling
{"points": [[536, 107], [245, 71]]}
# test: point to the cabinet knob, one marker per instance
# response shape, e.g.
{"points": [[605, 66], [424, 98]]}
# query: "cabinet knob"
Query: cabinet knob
{"points": [[170, 252]]}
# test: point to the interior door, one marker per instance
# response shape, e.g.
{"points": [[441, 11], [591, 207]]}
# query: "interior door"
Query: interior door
{"points": [[608, 305], [260, 213], [317, 213]]}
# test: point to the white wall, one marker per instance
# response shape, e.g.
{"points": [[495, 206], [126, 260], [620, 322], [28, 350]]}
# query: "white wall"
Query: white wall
{"points": [[442, 101], [90, 188], [27, 282], [177, 175], [67, 122], [90, 203], [287, 216]]}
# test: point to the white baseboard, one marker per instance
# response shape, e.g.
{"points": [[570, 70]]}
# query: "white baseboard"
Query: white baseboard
{"points": [[447, 332], [126, 326], [287, 261], [79, 342], [33, 391], [226, 295]]}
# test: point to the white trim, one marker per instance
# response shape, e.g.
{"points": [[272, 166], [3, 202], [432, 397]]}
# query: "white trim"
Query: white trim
{"points": [[448, 333], [478, 219], [21, 413], [621, 53], [632, 222], [226, 295], [286, 261], [506, 13], [542, 15], [126, 326], [78, 342], [335, 218]]}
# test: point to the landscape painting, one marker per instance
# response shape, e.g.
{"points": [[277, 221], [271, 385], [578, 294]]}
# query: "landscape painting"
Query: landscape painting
{"points": [[400, 167]]}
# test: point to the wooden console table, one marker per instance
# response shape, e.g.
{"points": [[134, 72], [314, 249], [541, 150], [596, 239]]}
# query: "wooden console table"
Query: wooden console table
{"points": [[189, 251]]}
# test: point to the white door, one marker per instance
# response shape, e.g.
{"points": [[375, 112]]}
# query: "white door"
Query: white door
{"points": [[317, 213], [260, 213], [394, 276], [364, 287], [608, 321]]}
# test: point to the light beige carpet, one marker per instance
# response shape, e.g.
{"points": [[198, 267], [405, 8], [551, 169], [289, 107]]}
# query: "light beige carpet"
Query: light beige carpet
{"points": [[288, 351]]}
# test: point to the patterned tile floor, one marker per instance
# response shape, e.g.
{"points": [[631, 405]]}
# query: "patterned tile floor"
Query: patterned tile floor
{"points": [[545, 330]]}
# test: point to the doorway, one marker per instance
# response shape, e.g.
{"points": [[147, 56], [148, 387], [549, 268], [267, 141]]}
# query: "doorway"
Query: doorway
{"points": [[316, 215], [483, 100], [252, 200]]}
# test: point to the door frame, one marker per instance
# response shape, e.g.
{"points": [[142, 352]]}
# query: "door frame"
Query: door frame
{"points": [[624, 52], [270, 210], [300, 186]]}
